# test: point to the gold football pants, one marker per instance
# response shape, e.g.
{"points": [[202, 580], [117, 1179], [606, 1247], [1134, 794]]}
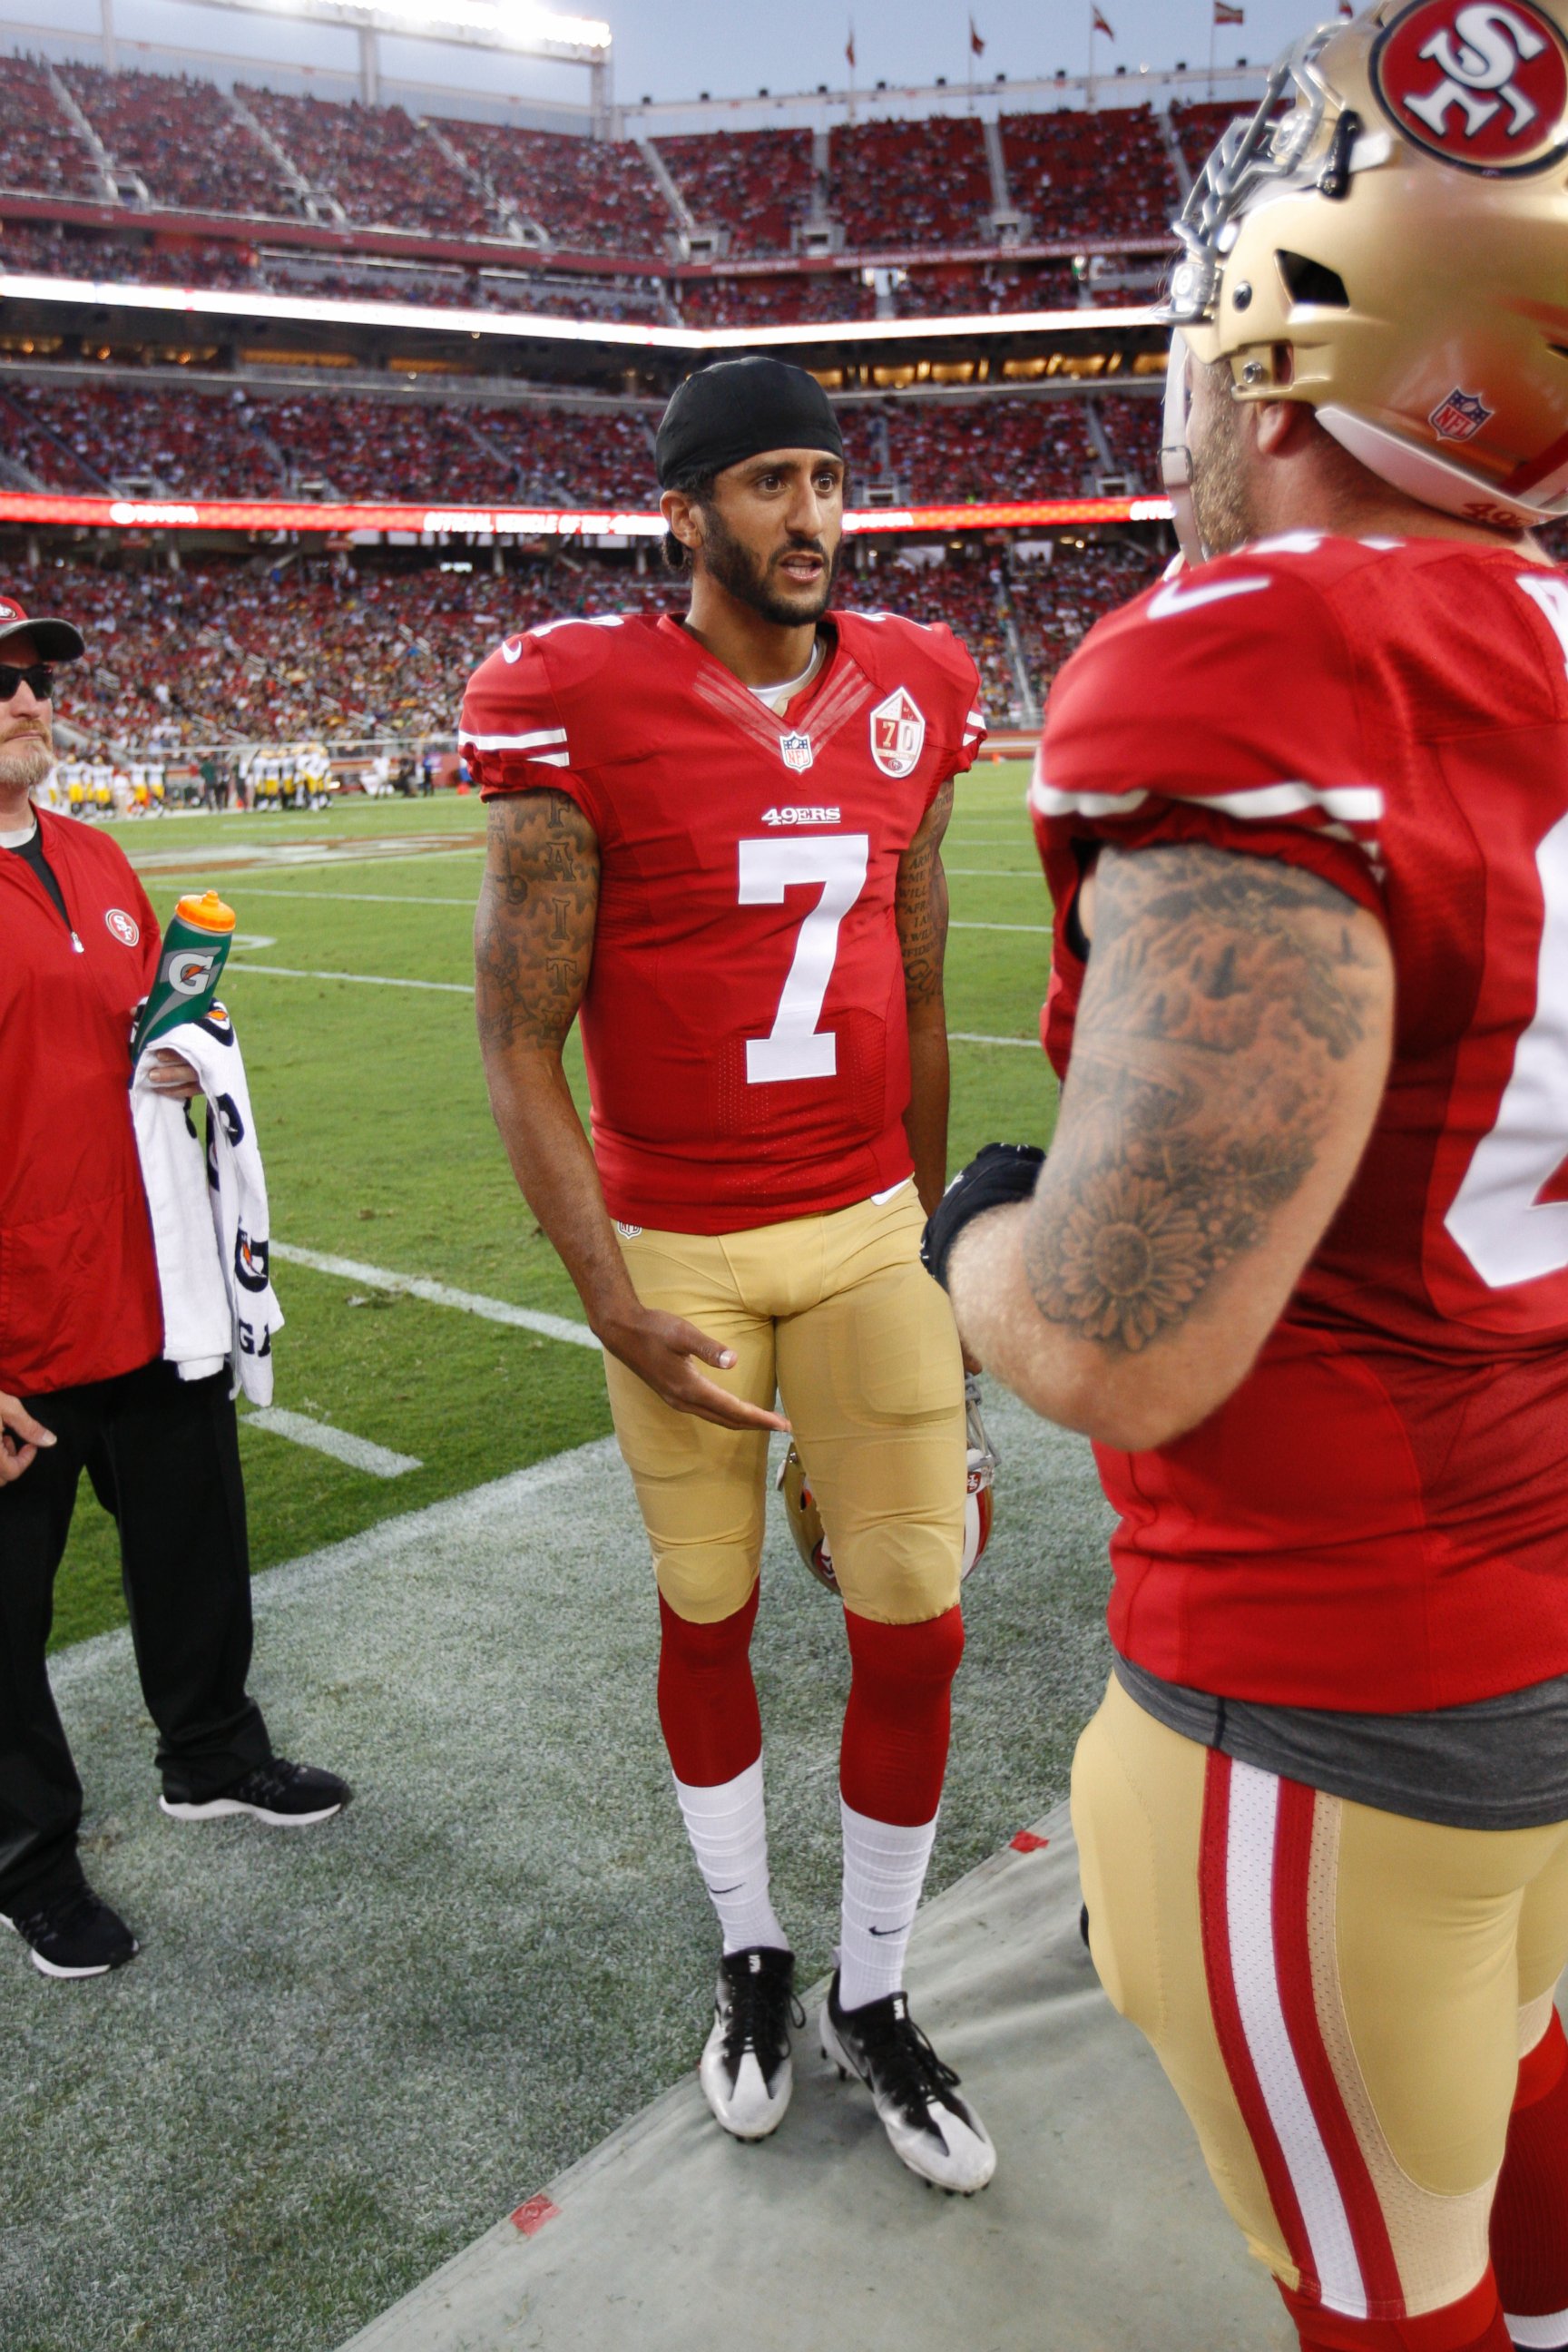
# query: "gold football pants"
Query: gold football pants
{"points": [[1340, 1996], [838, 1313]]}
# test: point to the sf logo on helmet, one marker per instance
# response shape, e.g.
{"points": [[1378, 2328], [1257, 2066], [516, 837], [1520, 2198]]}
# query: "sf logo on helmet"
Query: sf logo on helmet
{"points": [[1483, 85]]}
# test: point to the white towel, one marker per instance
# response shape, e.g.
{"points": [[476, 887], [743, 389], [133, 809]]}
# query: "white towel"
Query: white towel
{"points": [[210, 1219]]}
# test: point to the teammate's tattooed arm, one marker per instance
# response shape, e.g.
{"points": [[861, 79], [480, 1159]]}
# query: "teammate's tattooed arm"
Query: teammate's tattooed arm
{"points": [[1228, 1059], [533, 950], [922, 914]]}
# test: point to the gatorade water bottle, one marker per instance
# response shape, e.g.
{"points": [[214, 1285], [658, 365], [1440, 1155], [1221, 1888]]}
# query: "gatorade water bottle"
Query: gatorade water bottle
{"points": [[195, 948]]}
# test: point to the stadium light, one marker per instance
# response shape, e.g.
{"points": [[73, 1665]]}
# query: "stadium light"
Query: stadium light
{"points": [[514, 24]]}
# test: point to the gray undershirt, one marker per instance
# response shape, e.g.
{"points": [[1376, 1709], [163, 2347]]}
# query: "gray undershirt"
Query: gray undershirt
{"points": [[1500, 1764]]}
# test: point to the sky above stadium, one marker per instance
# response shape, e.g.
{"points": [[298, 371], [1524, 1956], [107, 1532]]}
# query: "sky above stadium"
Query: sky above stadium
{"points": [[671, 50]]}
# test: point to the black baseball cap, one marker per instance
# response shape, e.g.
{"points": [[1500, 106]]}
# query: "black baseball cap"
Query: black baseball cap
{"points": [[57, 641]]}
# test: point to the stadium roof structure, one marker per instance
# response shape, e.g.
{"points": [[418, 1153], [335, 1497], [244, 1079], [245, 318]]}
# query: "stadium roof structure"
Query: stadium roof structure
{"points": [[517, 27]]}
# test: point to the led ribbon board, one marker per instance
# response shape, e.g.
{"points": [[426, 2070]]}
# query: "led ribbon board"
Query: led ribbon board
{"points": [[525, 522]]}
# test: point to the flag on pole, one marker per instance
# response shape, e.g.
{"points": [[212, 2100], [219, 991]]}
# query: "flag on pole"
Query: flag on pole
{"points": [[1346, 11], [977, 45], [1102, 26], [1225, 13], [849, 46]]}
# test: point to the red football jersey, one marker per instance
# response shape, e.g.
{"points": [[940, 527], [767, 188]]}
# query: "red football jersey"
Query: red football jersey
{"points": [[743, 1023], [1378, 1518]]}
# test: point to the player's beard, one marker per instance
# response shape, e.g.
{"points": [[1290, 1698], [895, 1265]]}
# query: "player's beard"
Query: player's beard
{"points": [[25, 762], [730, 561], [1222, 505]]}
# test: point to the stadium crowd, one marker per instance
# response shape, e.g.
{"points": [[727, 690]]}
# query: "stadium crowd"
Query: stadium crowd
{"points": [[182, 138], [962, 453], [40, 147], [759, 185], [385, 169], [910, 183], [1099, 175], [228, 655], [589, 196]]}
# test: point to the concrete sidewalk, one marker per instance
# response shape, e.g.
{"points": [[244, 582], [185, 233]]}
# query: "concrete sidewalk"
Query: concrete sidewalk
{"points": [[1100, 2233]]}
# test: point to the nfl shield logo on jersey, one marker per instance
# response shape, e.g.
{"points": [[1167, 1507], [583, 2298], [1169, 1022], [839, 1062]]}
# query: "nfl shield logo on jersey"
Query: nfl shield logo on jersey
{"points": [[796, 751], [1461, 416], [898, 733]]}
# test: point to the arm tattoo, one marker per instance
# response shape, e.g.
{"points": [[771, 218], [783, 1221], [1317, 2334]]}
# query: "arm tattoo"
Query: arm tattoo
{"points": [[1222, 990], [921, 905], [533, 932]]}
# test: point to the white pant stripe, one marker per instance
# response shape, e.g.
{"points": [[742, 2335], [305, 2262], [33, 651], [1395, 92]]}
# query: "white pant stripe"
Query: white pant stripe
{"points": [[1249, 1907]]}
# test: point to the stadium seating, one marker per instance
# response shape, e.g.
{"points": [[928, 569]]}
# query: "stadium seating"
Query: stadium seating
{"points": [[40, 148], [1056, 605], [385, 169], [971, 452], [98, 436], [588, 196], [910, 184], [1134, 428], [183, 141], [784, 301], [758, 184], [1092, 175], [963, 593]]}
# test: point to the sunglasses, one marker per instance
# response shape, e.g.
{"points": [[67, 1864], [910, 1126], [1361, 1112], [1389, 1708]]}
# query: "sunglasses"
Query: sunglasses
{"points": [[39, 678]]}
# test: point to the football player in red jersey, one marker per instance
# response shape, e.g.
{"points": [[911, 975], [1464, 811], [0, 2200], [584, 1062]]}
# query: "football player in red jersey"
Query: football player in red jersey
{"points": [[716, 838], [1298, 1258]]}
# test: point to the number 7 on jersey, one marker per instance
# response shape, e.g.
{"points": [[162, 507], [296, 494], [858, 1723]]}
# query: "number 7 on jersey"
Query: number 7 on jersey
{"points": [[796, 1047]]}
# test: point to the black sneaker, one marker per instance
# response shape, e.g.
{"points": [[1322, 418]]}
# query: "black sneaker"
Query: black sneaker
{"points": [[285, 1796], [745, 2070], [937, 2134], [74, 1935]]}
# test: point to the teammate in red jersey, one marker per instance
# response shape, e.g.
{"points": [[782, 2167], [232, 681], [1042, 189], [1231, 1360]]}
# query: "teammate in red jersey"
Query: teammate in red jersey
{"points": [[717, 837], [1298, 1258]]}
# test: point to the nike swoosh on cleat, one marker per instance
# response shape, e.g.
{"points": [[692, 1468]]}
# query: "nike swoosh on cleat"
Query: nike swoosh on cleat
{"points": [[894, 1931]]}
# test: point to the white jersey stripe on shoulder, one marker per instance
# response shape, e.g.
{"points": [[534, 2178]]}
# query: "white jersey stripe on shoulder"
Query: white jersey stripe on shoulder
{"points": [[1351, 803], [1547, 2332], [1046, 801], [1249, 1867], [540, 735], [1347, 804]]}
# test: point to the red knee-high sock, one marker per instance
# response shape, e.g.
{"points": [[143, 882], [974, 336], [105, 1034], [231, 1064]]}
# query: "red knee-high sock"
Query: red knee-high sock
{"points": [[1475, 2324], [706, 1699], [1530, 2216], [897, 1724]]}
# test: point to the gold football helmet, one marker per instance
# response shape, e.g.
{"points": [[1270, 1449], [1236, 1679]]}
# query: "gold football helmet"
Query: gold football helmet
{"points": [[805, 1519], [1386, 238]]}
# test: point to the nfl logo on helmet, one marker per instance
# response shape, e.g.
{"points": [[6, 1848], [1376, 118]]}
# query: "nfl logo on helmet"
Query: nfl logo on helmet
{"points": [[1461, 416], [898, 733]]}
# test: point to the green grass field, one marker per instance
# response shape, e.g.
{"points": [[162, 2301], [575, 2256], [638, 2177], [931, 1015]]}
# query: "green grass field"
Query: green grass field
{"points": [[379, 1145]]}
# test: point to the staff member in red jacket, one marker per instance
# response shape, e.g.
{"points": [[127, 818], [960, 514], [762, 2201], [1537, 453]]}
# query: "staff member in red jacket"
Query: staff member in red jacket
{"points": [[83, 1384]]}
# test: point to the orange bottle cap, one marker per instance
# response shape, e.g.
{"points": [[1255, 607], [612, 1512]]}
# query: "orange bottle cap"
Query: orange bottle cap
{"points": [[207, 913]]}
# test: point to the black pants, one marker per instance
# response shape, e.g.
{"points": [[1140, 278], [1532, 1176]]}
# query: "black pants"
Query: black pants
{"points": [[164, 1457]]}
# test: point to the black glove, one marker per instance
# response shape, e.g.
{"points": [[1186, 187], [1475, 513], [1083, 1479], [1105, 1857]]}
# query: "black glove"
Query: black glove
{"points": [[995, 1178]]}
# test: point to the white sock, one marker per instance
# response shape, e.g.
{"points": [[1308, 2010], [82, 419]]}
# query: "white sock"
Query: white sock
{"points": [[884, 1870], [728, 1836]]}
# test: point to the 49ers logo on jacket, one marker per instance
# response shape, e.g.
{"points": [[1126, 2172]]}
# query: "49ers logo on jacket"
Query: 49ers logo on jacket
{"points": [[125, 928], [1481, 83], [898, 733]]}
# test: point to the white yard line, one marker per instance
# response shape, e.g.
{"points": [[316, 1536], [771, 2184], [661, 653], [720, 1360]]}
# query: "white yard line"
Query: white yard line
{"points": [[357, 979], [358, 1452], [438, 1294], [1037, 931], [969, 1037], [362, 898]]}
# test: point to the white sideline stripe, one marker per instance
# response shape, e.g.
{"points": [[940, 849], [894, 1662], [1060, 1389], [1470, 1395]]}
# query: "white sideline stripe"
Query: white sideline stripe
{"points": [[1547, 2332], [363, 897], [438, 1294], [1041, 930], [1250, 1838], [359, 979], [357, 1452]]}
